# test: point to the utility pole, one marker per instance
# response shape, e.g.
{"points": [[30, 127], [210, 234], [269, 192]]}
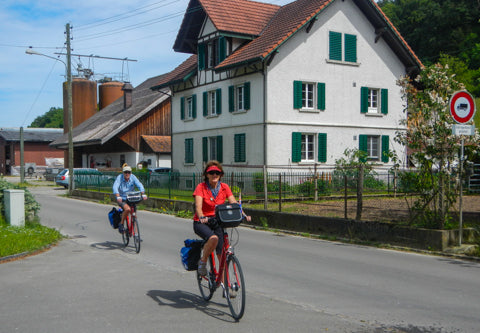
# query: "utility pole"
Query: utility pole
{"points": [[69, 112], [22, 161]]}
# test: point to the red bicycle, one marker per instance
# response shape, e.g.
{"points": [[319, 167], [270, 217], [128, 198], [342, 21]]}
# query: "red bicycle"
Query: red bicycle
{"points": [[231, 281], [130, 224]]}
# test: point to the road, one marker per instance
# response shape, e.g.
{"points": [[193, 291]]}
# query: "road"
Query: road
{"points": [[90, 283]]}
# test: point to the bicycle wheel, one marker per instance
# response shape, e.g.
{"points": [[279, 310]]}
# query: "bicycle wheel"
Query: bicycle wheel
{"points": [[125, 235], [235, 287], [206, 284], [136, 234]]}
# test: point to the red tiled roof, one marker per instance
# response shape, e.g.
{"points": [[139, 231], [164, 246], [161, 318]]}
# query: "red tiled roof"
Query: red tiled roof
{"points": [[288, 20], [158, 143], [239, 16]]}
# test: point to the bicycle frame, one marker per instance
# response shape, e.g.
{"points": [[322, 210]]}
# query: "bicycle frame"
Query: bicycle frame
{"points": [[132, 228], [226, 251]]}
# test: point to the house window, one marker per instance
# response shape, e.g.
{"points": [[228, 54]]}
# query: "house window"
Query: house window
{"points": [[376, 147], [239, 97], [308, 95], [374, 100], [188, 107], [239, 148], [122, 159], [212, 103], [189, 150], [212, 52], [212, 148], [306, 145], [342, 47]]}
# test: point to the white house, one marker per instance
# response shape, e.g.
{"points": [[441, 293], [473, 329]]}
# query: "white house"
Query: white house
{"points": [[286, 86]]}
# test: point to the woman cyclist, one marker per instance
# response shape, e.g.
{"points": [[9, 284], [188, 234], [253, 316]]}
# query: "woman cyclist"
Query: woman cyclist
{"points": [[207, 195], [126, 182]]}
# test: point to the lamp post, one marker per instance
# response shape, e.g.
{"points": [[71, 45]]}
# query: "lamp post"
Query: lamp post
{"points": [[68, 69]]}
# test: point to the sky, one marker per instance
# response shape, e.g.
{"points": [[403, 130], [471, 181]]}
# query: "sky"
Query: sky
{"points": [[140, 30]]}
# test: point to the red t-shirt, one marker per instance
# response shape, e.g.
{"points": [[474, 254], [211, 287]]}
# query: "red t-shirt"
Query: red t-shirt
{"points": [[209, 202]]}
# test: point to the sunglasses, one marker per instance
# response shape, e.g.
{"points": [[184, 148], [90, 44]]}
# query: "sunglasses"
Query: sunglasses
{"points": [[127, 172], [214, 173]]}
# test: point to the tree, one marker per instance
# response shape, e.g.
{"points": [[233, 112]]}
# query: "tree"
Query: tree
{"points": [[434, 149], [434, 28], [51, 119]]}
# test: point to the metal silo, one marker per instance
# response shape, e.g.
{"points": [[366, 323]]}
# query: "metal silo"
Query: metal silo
{"points": [[108, 92], [84, 101]]}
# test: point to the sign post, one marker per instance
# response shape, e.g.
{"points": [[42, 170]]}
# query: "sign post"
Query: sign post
{"points": [[462, 109]]}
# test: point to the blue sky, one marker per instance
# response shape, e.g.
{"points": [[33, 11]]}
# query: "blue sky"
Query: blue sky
{"points": [[135, 29]]}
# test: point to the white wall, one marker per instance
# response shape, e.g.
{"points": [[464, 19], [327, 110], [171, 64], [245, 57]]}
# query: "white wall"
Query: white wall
{"points": [[304, 58]]}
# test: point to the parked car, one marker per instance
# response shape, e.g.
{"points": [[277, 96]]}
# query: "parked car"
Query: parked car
{"points": [[163, 177], [51, 173], [86, 176], [161, 170]]}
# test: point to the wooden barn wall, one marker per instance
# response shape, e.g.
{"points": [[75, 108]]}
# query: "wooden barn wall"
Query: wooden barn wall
{"points": [[156, 122]]}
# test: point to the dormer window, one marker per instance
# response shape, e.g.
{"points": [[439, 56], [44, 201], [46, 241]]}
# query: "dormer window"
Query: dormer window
{"points": [[211, 53]]}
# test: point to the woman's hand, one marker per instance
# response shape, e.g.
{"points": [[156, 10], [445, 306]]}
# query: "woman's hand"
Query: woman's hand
{"points": [[248, 218], [203, 219]]}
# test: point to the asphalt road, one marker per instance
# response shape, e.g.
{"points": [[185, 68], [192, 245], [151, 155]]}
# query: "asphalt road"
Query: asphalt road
{"points": [[90, 283]]}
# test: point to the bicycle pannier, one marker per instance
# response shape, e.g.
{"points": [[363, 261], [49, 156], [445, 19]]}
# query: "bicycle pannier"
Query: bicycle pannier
{"points": [[115, 216], [190, 253], [229, 215]]}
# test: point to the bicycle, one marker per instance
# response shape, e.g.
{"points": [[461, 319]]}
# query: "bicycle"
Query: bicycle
{"points": [[233, 283], [130, 224]]}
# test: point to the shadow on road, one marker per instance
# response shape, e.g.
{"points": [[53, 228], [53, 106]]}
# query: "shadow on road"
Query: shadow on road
{"points": [[179, 299], [108, 246]]}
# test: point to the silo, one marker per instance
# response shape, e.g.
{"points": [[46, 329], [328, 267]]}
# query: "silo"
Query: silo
{"points": [[84, 101], [108, 92]]}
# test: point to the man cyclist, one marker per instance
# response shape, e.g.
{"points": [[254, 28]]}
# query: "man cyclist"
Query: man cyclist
{"points": [[126, 182]]}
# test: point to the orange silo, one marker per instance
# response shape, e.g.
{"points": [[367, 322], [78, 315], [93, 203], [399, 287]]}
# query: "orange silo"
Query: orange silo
{"points": [[108, 92], [84, 101]]}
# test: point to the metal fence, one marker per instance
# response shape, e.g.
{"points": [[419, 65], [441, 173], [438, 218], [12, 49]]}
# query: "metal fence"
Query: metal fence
{"points": [[381, 196]]}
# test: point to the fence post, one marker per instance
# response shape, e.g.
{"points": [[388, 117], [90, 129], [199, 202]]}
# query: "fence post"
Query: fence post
{"points": [[315, 179], [265, 189], [280, 192], [360, 193], [346, 195]]}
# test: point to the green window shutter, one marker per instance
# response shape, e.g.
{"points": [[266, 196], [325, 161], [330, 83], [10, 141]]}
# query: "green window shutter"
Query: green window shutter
{"points": [[364, 99], [205, 103], [350, 48], [218, 101], [239, 148], [385, 148], [182, 108], [296, 147], [246, 94], [188, 150], [384, 101], [194, 106], [220, 149], [297, 94], [321, 96], [335, 43], [322, 147], [231, 98], [205, 149], [201, 57], [222, 49], [362, 145]]}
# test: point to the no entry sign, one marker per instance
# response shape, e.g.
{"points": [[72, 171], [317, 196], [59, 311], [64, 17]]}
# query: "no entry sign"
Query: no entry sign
{"points": [[462, 106]]}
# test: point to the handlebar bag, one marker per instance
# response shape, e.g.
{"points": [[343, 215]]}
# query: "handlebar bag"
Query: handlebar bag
{"points": [[229, 215]]}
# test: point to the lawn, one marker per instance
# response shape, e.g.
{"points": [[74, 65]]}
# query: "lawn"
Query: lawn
{"points": [[32, 237]]}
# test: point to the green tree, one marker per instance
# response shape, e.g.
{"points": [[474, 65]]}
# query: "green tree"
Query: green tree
{"points": [[434, 149], [52, 119]]}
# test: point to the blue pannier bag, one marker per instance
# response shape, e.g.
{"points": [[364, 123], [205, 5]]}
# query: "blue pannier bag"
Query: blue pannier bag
{"points": [[115, 216], [190, 253]]}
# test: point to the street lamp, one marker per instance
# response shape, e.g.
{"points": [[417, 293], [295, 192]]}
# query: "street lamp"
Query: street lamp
{"points": [[68, 69]]}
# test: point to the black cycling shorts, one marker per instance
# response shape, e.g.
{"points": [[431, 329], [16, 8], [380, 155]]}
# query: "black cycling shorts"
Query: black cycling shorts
{"points": [[205, 231]]}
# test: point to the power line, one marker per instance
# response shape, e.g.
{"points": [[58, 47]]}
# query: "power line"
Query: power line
{"points": [[123, 15]]}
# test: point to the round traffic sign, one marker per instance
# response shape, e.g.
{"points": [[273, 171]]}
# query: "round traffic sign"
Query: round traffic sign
{"points": [[462, 106]]}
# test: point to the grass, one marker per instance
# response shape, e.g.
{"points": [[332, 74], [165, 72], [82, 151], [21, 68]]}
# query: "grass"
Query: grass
{"points": [[32, 237]]}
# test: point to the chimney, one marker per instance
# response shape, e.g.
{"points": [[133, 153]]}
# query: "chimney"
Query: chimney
{"points": [[127, 95]]}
